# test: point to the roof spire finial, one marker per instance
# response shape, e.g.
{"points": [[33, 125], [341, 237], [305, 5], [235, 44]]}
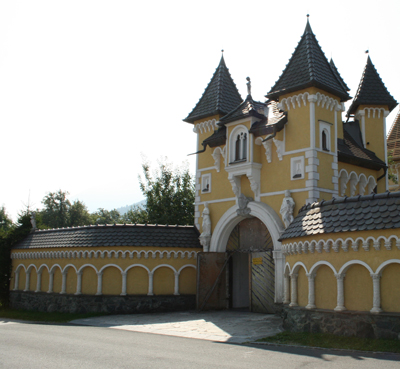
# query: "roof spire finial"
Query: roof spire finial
{"points": [[308, 16], [222, 51], [367, 51], [248, 86]]}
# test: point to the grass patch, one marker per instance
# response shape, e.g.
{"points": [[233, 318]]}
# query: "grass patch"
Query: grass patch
{"points": [[38, 316], [325, 340]]}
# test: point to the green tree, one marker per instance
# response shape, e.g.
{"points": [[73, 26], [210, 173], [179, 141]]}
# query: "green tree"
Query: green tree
{"points": [[5, 221], [136, 214], [78, 215], [103, 216], [15, 233], [56, 209], [169, 194]]}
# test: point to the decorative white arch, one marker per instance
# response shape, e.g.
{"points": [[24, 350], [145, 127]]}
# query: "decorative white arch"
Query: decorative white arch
{"points": [[347, 265], [272, 222], [381, 267], [297, 266], [318, 264], [176, 278]]}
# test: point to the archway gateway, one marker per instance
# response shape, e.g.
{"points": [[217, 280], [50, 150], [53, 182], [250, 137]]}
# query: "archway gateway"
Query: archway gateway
{"points": [[244, 275]]}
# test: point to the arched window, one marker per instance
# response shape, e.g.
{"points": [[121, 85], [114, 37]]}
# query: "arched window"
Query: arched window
{"points": [[325, 136], [239, 145]]}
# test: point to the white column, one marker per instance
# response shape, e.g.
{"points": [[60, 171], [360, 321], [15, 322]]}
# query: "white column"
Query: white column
{"points": [[340, 292], [293, 279], [78, 283], [27, 280], [16, 282], [64, 282], [51, 282], [99, 283], [176, 286], [39, 281], [123, 292], [311, 291], [376, 301], [150, 293], [279, 260], [286, 281], [312, 99]]}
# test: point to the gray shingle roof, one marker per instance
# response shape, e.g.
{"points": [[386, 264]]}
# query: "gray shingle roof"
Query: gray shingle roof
{"points": [[338, 76], [308, 67], [220, 96], [247, 108], [113, 235], [371, 90], [352, 151], [347, 214]]}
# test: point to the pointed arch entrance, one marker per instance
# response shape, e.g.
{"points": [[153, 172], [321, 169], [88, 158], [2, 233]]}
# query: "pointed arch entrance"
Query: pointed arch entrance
{"points": [[244, 268]]}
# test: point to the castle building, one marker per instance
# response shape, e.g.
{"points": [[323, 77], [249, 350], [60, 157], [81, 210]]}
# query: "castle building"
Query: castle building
{"points": [[259, 163]]}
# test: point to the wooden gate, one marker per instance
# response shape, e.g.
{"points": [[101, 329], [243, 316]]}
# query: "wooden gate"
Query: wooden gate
{"points": [[262, 282], [212, 286]]}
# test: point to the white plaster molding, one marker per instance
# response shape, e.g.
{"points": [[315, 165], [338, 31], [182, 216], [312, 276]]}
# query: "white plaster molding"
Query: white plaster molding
{"points": [[206, 126], [268, 150], [280, 147]]}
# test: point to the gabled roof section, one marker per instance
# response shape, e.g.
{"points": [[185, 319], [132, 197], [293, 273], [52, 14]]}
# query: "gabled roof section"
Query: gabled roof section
{"points": [[309, 67], [393, 139], [113, 235], [371, 90], [351, 150], [220, 97], [347, 214], [248, 108]]}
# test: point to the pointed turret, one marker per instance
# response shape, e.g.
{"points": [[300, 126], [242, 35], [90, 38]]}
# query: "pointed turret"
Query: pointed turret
{"points": [[220, 97], [308, 67], [338, 76], [371, 90]]}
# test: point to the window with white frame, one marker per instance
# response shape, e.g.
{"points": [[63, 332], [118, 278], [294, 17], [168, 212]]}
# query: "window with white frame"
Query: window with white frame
{"points": [[325, 136], [297, 168], [239, 145], [206, 183]]}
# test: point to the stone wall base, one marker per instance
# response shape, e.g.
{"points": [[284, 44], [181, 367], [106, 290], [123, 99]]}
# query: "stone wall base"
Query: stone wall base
{"points": [[345, 323], [50, 302]]}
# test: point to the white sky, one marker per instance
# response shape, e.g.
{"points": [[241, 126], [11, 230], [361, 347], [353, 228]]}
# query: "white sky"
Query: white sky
{"points": [[86, 87]]}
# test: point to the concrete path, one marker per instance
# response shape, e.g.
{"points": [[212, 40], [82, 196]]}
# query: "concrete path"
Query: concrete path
{"points": [[220, 326]]}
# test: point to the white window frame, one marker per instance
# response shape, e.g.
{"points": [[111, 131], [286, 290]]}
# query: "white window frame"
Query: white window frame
{"points": [[297, 167], [206, 180], [325, 127], [232, 145]]}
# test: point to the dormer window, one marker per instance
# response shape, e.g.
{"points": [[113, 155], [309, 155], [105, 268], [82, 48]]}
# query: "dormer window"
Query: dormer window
{"points": [[238, 145]]}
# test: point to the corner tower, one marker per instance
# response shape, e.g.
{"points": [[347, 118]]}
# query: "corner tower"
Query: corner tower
{"points": [[312, 91], [371, 105], [220, 97]]}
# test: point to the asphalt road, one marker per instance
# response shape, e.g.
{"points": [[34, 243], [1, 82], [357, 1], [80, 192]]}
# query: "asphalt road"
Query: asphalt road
{"points": [[30, 346]]}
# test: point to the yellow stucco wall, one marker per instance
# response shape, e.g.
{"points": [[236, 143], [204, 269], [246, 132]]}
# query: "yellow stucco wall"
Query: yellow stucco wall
{"points": [[137, 268], [358, 284]]}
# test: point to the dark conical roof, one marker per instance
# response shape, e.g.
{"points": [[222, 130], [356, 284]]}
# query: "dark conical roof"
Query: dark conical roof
{"points": [[220, 97], [308, 67], [371, 90]]}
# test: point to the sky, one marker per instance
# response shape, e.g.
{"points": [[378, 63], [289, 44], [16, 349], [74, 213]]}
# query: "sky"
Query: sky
{"points": [[91, 89]]}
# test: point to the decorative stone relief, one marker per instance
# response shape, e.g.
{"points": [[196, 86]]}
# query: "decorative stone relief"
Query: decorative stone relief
{"points": [[235, 183], [205, 236], [33, 220], [218, 152], [279, 147], [243, 210], [268, 150], [287, 208]]}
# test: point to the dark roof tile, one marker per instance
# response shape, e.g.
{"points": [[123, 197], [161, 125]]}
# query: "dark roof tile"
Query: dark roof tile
{"points": [[373, 214], [113, 235], [308, 67], [371, 90]]}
